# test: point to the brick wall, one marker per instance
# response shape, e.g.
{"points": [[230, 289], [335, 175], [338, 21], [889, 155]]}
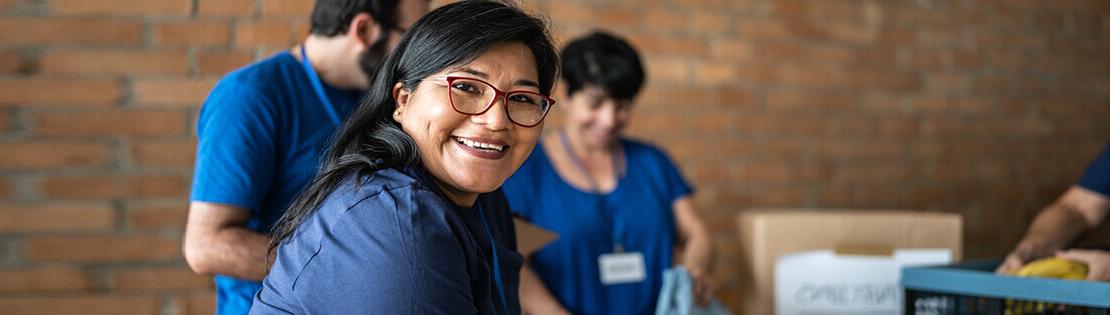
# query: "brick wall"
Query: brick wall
{"points": [[985, 108]]}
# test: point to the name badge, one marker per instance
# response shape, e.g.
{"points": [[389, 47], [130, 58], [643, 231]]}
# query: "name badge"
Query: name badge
{"points": [[618, 268]]}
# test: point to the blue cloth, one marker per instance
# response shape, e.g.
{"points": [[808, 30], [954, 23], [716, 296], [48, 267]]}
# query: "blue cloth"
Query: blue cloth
{"points": [[677, 296], [568, 267], [262, 132], [1097, 176], [394, 245]]}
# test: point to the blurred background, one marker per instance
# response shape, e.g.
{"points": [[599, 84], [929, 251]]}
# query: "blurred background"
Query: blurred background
{"points": [[989, 109]]}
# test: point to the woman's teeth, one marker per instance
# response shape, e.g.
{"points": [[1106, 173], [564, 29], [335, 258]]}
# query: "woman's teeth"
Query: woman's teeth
{"points": [[479, 145]]}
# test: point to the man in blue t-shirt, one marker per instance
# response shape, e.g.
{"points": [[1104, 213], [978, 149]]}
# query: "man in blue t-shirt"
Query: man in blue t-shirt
{"points": [[1081, 209], [263, 129]]}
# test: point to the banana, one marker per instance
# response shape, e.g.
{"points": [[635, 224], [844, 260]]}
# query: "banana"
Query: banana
{"points": [[1053, 267]]}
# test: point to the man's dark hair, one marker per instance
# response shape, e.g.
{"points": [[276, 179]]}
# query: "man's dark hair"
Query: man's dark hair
{"points": [[331, 17], [603, 60]]}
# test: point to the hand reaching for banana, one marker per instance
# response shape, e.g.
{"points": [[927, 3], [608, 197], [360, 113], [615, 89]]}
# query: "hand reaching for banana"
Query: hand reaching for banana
{"points": [[1053, 267], [1097, 261]]}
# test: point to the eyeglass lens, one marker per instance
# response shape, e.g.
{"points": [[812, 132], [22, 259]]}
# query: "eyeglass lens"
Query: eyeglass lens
{"points": [[474, 97]]}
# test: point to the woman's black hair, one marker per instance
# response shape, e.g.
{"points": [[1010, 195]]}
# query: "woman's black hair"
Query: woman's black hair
{"points": [[370, 140], [603, 60]]}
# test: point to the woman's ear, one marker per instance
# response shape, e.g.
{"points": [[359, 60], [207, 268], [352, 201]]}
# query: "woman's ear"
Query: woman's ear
{"points": [[402, 96]]}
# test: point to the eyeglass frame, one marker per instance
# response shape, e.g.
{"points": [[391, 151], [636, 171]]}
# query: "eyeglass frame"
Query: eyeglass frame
{"points": [[497, 93]]}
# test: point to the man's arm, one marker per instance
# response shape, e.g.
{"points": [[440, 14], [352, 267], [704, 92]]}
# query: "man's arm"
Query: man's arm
{"points": [[1076, 212], [217, 242]]}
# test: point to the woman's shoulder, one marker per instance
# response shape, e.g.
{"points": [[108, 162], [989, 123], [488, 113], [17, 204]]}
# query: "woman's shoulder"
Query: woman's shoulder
{"points": [[644, 151]]}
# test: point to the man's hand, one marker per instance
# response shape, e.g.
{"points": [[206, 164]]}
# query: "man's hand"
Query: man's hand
{"points": [[1098, 262], [1014, 261]]}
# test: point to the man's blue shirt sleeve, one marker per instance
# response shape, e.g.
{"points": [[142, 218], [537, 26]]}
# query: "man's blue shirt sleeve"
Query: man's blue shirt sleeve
{"points": [[236, 149], [1097, 176]]}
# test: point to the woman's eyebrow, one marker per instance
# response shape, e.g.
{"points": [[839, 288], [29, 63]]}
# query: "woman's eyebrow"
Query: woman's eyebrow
{"points": [[472, 71], [484, 76]]}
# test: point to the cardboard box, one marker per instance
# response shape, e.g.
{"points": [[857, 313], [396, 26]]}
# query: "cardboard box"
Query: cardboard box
{"points": [[768, 234]]}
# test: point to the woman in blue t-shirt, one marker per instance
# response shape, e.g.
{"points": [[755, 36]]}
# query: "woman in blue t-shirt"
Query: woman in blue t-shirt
{"points": [[405, 216], [620, 206]]}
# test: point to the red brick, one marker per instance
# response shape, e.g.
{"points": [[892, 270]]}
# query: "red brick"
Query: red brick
{"points": [[85, 305], [202, 304], [194, 33], [762, 28], [947, 83], [808, 100], [736, 51], [105, 123], [570, 12], [274, 33], [179, 92], [780, 196], [667, 69], [150, 279], [863, 28], [689, 95], [102, 248], [114, 62], [44, 279], [220, 63], [69, 31], [6, 189], [974, 105], [56, 217], [286, 8], [164, 152], [813, 75], [225, 7], [154, 216], [932, 103], [301, 28], [676, 45], [52, 155], [58, 92], [114, 186], [6, 5], [665, 20], [710, 22], [713, 73], [122, 7], [885, 79], [4, 121], [618, 17], [10, 62]]}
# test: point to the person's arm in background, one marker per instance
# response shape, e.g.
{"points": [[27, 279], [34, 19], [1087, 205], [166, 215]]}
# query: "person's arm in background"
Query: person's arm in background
{"points": [[535, 299], [1076, 212], [217, 242], [234, 167], [698, 253]]}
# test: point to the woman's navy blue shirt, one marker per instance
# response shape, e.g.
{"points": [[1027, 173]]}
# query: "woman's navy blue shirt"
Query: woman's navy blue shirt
{"points": [[393, 244]]}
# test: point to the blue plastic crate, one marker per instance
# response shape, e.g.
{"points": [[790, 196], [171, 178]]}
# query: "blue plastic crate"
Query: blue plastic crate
{"points": [[973, 288]]}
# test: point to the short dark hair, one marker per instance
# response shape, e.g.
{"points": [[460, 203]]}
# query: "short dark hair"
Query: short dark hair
{"points": [[370, 140], [331, 17], [603, 60]]}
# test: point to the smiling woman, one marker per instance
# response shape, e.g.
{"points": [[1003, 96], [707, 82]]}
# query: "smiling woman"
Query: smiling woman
{"points": [[405, 216]]}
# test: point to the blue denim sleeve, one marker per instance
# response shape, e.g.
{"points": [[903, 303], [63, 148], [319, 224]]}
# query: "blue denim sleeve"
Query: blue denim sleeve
{"points": [[236, 146]]}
